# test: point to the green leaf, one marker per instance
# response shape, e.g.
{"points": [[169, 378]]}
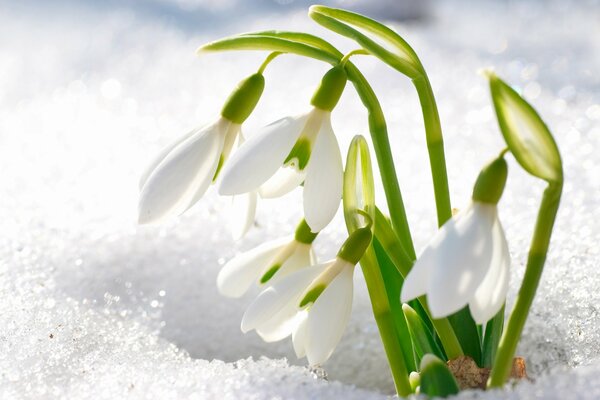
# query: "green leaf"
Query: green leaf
{"points": [[493, 332], [527, 136], [436, 378], [393, 282], [359, 188], [421, 335], [466, 331], [373, 36], [270, 43]]}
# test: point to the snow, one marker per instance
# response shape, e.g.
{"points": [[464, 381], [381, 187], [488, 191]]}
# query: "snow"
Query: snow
{"points": [[95, 306]]}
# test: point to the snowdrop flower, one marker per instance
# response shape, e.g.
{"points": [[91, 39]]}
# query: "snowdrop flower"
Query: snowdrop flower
{"points": [[312, 304], [293, 150], [467, 261], [182, 172], [267, 263]]}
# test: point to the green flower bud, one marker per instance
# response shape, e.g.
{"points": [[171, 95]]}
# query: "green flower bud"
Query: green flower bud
{"points": [[491, 181], [331, 88], [244, 98], [355, 246]]}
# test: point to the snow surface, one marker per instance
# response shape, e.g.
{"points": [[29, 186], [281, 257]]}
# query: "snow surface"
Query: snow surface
{"points": [[94, 306]]}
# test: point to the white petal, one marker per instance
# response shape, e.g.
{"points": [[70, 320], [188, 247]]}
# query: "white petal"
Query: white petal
{"points": [[491, 293], [299, 335], [229, 131], [280, 325], [302, 257], [324, 177], [183, 175], [276, 297], [416, 282], [284, 181], [260, 156], [241, 216], [239, 273], [164, 153], [328, 317], [463, 254]]}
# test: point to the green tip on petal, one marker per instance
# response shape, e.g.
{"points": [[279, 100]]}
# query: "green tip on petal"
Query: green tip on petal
{"points": [[300, 152], [312, 295], [527, 136], [270, 273], [491, 181], [244, 99]]}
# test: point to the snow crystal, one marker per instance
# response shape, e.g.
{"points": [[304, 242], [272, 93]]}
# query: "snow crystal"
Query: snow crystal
{"points": [[95, 306]]}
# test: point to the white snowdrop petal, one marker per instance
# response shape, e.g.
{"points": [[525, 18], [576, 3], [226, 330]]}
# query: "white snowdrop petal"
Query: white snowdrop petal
{"points": [[184, 174], [491, 293], [242, 213], [328, 317], [284, 181], [164, 152], [239, 273], [416, 282], [463, 255], [324, 178], [300, 258], [229, 131], [274, 298], [260, 156], [280, 325], [299, 335]]}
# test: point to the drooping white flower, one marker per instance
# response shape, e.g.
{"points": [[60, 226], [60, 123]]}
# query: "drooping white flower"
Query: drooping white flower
{"points": [[267, 263], [467, 261], [312, 304], [285, 154], [182, 172]]}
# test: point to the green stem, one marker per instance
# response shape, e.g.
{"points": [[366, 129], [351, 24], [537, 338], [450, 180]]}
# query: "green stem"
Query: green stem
{"points": [[394, 249], [269, 58], [533, 272], [385, 322], [435, 147], [385, 160]]}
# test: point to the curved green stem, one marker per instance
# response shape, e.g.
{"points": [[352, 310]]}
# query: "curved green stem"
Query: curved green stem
{"points": [[435, 148], [253, 42], [533, 272], [385, 159], [399, 55], [268, 60]]}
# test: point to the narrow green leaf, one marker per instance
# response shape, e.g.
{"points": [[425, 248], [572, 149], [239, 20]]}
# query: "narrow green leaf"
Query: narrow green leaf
{"points": [[493, 332], [436, 378], [269, 43], [376, 38], [393, 282], [526, 135], [466, 331], [359, 187], [299, 37], [421, 335]]}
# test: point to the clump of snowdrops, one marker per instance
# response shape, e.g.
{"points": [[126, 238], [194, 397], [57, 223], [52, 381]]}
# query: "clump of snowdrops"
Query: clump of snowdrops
{"points": [[432, 310]]}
